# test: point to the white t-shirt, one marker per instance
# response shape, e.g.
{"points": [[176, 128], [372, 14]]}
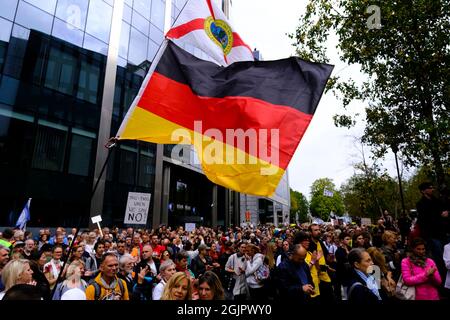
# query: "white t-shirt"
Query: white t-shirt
{"points": [[158, 290]]}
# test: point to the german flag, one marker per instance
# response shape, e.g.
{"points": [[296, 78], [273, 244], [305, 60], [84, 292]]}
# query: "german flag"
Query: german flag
{"points": [[245, 120]]}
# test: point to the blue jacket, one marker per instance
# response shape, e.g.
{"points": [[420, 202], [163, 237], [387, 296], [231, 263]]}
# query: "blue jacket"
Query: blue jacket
{"points": [[289, 282]]}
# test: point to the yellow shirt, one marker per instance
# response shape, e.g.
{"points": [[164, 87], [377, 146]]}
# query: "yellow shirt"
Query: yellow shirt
{"points": [[323, 276], [107, 294], [314, 275]]}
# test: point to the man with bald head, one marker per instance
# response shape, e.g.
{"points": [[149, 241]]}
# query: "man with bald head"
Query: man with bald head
{"points": [[295, 281], [145, 275]]}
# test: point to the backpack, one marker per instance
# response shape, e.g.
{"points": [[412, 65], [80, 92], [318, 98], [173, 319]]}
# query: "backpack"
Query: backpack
{"points": [[263, 273], [98, 289]]}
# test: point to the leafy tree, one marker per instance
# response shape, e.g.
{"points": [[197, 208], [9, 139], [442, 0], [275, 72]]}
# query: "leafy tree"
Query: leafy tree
{"points": [[299, 204], [321, 205], [412, 193], [368, 195], [406, 57]]}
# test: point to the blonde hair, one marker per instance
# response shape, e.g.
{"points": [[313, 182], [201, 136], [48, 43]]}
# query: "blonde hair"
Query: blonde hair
{"points": [[12, 272], [72, 267], [270, 254], [388, 234], [173, 281], [378, 259]]}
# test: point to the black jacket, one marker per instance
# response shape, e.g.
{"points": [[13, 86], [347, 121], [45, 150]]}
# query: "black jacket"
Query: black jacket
{"points": [[198, 267], [144, 291], [289, 282], [431, 224], [359, 294]]}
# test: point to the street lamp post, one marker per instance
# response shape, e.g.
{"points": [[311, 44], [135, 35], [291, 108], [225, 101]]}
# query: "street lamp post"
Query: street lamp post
{"points": [[395, 150]]}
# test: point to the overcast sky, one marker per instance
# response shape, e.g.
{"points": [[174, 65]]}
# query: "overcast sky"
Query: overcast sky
{"points": [[325, 150]]}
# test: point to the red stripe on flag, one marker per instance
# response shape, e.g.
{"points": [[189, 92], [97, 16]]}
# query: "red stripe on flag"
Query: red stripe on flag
{"points": [[185, 28], [176, 102], [237, 41], [211, 9]]}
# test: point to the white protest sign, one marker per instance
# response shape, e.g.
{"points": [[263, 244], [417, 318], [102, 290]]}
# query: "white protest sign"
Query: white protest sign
{"points": [[189, 227], [97, 219], [136, 211], [366, 221]]}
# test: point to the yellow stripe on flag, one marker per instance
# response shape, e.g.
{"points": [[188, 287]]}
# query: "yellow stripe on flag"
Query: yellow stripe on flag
{"points": [[222, 163]]}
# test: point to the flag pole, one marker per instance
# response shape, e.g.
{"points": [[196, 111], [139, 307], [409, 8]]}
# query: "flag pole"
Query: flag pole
{"points": [[112, 142], [149, 74]]}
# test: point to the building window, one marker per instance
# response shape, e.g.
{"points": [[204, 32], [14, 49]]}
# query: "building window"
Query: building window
{"points": [[88, 83], [80, 155], [143, 7], [49, 148], [73, 12], [33, 18], [48, 5], [137, 52], [158, 13], [61, 71], [8, 9], [127, 166], [99, 20]]}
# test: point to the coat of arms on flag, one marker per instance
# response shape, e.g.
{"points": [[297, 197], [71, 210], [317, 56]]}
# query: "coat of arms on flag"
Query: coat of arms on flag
{"points": [[204, 26]]}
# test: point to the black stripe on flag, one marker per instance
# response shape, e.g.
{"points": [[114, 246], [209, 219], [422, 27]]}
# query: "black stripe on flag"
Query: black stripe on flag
{"points": [[289, 82]]}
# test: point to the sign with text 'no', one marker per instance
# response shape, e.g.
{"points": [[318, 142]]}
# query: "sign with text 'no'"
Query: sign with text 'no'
{"points": [[137, 208]]}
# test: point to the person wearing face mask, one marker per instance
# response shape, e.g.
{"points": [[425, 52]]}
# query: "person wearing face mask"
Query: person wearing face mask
{"points": [[362, 286]]}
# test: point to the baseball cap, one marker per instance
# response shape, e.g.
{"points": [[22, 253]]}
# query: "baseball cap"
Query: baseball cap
{"points": [[203, 247], [18, 244]]}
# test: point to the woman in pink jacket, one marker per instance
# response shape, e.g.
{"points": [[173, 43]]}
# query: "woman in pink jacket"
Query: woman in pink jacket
{"points": [[421, 272]]}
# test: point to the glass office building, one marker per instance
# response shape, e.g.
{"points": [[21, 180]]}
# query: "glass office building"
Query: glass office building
{"points": [[69, 70]]}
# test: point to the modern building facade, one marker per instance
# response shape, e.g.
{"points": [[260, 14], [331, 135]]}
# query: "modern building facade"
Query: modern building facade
{"points": [[69, 70]]}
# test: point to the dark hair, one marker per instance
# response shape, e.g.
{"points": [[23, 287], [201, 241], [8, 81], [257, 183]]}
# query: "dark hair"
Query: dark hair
{"points": [[7, 233], [23, 292], [182, 255], [99, 242], [355, 255], [417, 242], [355, 236], [56, 246], [300, 236], [46, 247], [425, 185], [214, 283], [108, 254], [343, 235]]}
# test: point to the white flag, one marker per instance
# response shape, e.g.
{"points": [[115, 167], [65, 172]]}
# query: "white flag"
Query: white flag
{"points": [[203, 25], [24, 216]]}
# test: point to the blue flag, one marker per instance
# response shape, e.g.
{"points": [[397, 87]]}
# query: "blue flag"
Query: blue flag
{"points": [[24, 216]]}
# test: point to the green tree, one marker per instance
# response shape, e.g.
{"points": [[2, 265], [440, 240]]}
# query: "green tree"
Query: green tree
{"points": [[368, 195], [322, 204], [412, 193], [299, 204], [406, 58]]}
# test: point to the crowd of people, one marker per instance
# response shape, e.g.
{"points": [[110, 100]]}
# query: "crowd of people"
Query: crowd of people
{"points": [[302, 262]]}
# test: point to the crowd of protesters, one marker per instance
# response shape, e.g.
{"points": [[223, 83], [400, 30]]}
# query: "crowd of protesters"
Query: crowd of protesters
{"points": [[307, 262]]}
